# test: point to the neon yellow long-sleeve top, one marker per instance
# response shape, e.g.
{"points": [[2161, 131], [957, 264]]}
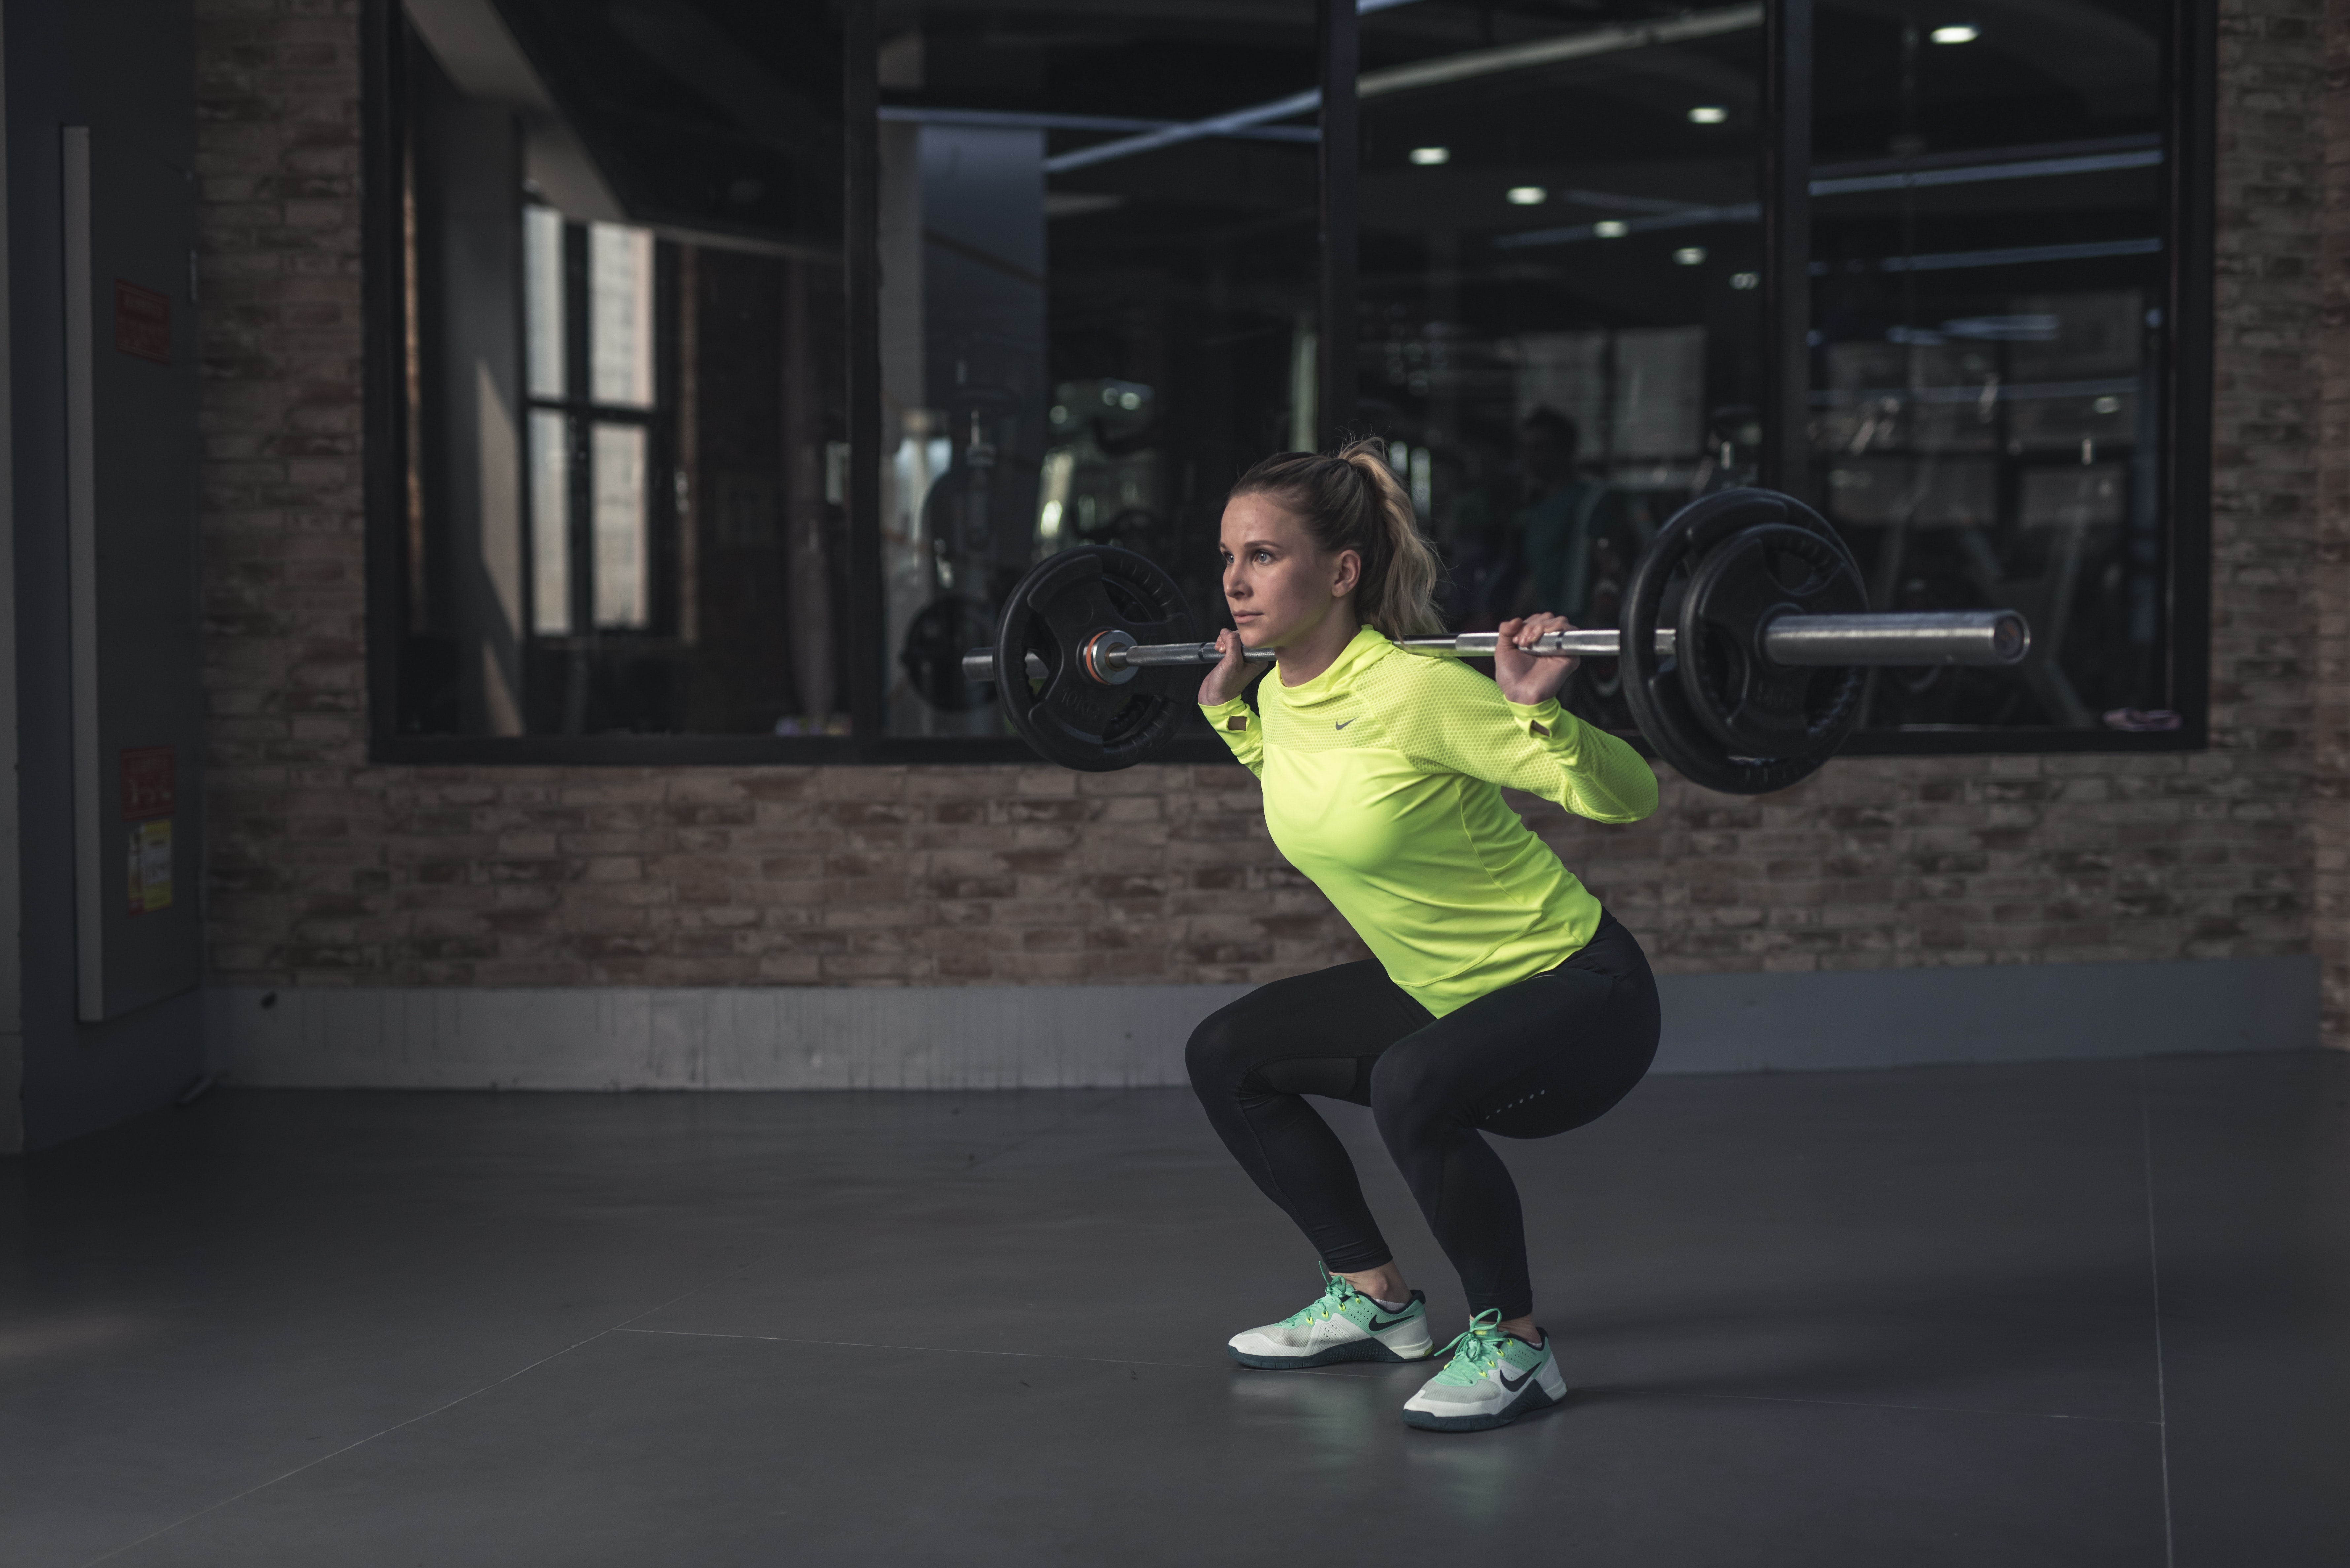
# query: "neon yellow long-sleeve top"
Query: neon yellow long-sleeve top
{"points": [[1383, 782]]}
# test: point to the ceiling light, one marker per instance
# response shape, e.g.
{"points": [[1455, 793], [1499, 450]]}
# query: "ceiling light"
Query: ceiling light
{"points": [[1609, 229], [1689, 255], [1528, 195], [1429, 157], [1746, 280], [1708, 114], [1961, 34]]}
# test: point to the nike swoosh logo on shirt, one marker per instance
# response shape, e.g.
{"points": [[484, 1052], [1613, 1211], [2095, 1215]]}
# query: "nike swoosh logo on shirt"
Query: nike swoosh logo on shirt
{"points": [[1521, 1383], [1344, 723], [1381, 1327]]}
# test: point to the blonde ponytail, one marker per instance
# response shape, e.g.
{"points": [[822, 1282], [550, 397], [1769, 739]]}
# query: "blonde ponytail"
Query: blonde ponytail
{"points": [[1353, 500]]}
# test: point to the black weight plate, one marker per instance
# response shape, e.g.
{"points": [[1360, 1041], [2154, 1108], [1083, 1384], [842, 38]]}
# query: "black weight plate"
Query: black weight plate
{"points": [[1735, 590], [1653, 686], [933, 657], [1053, 612]]}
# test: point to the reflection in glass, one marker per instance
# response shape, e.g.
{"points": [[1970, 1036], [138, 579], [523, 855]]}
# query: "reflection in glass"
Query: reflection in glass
{"points": [[550, 523], [623, 270], [1094, 314], [1099, 304], [1559, 330], [1985, 422], [626, 347], [542, 314], [620, 317], [618, 464]]}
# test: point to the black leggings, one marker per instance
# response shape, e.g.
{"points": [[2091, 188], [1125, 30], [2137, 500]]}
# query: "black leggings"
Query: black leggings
{"points": [[1527, 1061]]}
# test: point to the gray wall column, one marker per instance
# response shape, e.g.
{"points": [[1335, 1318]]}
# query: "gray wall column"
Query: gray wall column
{"points": [[124, 69]]}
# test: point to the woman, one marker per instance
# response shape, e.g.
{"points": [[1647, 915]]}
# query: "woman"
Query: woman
{"points": [[1502, 999]]}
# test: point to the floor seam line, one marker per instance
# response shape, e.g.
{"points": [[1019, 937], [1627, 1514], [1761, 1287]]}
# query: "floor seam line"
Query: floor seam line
{"points": [[2154, 1276], [347, 1448], [916, 1182], [620, 1327]]}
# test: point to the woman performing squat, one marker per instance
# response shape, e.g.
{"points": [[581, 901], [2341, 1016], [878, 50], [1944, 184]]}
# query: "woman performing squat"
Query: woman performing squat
{"points": [[1503, 998]]}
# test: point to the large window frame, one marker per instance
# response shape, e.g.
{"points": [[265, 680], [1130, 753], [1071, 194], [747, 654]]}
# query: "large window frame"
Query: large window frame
{"points": [[2184, 385]]}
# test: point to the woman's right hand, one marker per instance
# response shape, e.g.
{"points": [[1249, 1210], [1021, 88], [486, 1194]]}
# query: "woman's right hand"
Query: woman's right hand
{"points": [[1229, 676]]}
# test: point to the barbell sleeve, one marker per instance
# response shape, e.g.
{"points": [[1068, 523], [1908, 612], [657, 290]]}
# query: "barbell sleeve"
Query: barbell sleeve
{"points": [[1938, 636]]}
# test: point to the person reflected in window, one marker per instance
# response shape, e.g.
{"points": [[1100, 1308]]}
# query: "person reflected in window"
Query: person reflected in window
{"points": [[1477, 535], [1558, 520]]}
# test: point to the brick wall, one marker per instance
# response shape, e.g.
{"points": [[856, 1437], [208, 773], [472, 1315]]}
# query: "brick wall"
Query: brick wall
{"points": [[327, 870], [2327, 61]]}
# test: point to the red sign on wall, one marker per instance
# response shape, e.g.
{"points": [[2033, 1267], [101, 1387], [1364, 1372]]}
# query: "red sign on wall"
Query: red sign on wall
{"points": [[142, 322], [150, 789]]}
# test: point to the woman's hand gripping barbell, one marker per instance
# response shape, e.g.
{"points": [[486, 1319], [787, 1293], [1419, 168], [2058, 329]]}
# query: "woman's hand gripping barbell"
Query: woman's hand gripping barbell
{"points": [[1524, 679]]}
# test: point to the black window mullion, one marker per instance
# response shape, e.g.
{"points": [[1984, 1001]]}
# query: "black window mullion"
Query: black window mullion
{"points": [[579, 428], [2187, 328], [383, 45], [1341, 153], [662, 596], [861, 256], [1785, 148]]}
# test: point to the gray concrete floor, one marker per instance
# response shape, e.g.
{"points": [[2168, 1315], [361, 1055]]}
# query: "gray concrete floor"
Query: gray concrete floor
{"points": [[1904, 1317]]}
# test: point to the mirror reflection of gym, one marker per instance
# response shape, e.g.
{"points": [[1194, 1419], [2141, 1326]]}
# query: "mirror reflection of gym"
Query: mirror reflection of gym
{"points": [[1086, 334], [623, 424]]}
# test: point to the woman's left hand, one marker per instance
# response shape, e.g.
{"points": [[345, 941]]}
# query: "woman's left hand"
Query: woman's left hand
{"points": [[1524, 679]]}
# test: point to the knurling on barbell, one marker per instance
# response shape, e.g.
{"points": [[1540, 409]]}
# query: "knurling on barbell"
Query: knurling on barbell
{"points": [[1728, 618]]}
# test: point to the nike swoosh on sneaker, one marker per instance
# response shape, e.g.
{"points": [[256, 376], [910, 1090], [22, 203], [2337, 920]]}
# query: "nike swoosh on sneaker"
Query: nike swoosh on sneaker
{"points": [[1376, 1326], [1521, 1383]]}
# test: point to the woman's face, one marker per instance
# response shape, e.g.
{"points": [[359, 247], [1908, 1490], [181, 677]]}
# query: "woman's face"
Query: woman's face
{"points": [[1277, 582]]}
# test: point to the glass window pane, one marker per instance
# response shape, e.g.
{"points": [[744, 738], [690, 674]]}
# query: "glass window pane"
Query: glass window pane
{"points": [[543, 302], [1560, 320], [550, 525], [618, 530], [621, 315], [1988, 275], [1084, 338], [628, 356]]}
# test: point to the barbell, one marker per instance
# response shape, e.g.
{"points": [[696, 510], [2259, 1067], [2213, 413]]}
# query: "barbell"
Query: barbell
{"points": [[1745, 643], [1933, 637]]}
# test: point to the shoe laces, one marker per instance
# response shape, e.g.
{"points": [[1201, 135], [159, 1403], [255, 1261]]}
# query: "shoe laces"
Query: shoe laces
{"points": [[1475, 1350], [1335, 1293]]}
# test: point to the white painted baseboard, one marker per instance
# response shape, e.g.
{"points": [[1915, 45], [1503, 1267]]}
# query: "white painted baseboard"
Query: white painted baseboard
{"points": [[778, 1037], [1038, 1037], [2010, 1012]]}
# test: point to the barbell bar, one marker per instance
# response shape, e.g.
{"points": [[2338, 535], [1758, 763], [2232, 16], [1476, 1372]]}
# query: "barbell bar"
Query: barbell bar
{"points": [[1744, 658], [1995, 636]]}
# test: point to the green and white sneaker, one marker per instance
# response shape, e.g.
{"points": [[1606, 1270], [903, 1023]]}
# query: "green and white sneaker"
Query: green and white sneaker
{"points": [[1343, 1326], [1491, 1381]]}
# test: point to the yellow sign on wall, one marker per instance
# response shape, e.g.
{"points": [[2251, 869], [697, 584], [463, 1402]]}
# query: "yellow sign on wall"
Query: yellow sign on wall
{"points": [[151, 867]]}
